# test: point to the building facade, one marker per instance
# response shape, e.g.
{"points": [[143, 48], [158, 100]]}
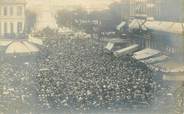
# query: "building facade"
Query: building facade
{"points": [[12, 18], [149, 8], [166, 10]]}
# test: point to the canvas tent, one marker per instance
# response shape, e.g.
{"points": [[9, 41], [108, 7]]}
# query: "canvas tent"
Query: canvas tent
{"points": [[4, 42], [109, 46], [35, 40], [145, 54], [120, 25], [165, 26], [156, 59], [21, 47], [126, 51]]}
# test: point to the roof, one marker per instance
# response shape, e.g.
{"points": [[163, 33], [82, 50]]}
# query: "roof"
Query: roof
{"points": [[116, 40], [136, 24], [126, 51], [12, 1], [162, 26], [109, 46], [145, 54], [165, 26], [35, 40], [18, 47], [4, 42], [121, 25], [156, 59]]}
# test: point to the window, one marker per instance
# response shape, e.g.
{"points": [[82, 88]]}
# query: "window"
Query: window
{"points": [[0, 11], [5, 11], [5, 27], [0, 29], [19, 11], [19, 27], [11, 11], [11, 28]]}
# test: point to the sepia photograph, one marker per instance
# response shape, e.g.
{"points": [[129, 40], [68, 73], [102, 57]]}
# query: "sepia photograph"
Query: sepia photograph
{"points": [[91, 56]]}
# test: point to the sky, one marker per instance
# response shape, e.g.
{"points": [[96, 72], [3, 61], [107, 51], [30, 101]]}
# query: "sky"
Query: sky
{"points": [[88, 4]]}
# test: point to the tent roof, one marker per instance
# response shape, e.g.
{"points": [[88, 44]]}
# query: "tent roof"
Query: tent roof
{"points": [[121, 25], [35, 40], [145, 53], [126, 51], [165, 26], [136, 24], [156, 59], [20, 47], [5, 42], [116, 40], [109, 46]]}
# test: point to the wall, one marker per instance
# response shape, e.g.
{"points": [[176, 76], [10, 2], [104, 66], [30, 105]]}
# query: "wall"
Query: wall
{"points": [[12, 18]]}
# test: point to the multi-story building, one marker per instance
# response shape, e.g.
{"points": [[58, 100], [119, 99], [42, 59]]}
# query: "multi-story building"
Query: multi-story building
{"points": [[12, 18], [140, 7], [168, 10]]}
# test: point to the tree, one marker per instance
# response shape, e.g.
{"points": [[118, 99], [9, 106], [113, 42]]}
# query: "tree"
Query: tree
{"points": [[71, 18]]}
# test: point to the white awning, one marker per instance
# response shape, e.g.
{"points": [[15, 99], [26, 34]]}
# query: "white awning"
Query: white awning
{"points": [[44, 69], [4, 42], [136, 24], [165, 26], [20, 47], [116, 40], [145, 54], [120, 25], [126, 51], [109, 46], [35, 40], [156, 59]]}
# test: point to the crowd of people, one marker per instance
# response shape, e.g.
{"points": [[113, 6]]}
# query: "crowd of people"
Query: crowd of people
{"points": [[17, 87], [76, 75]]}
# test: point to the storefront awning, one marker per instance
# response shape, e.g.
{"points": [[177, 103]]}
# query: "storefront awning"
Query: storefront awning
{"points": [[116, 40], [156, 59], [20, 47], [145, 54], [120, 25], [109, 46], [165, 26], [4, 42], [35, 40], [126, 51]]}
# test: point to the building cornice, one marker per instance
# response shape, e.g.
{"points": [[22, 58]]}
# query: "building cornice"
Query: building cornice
{"points": [[3, 2]]}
